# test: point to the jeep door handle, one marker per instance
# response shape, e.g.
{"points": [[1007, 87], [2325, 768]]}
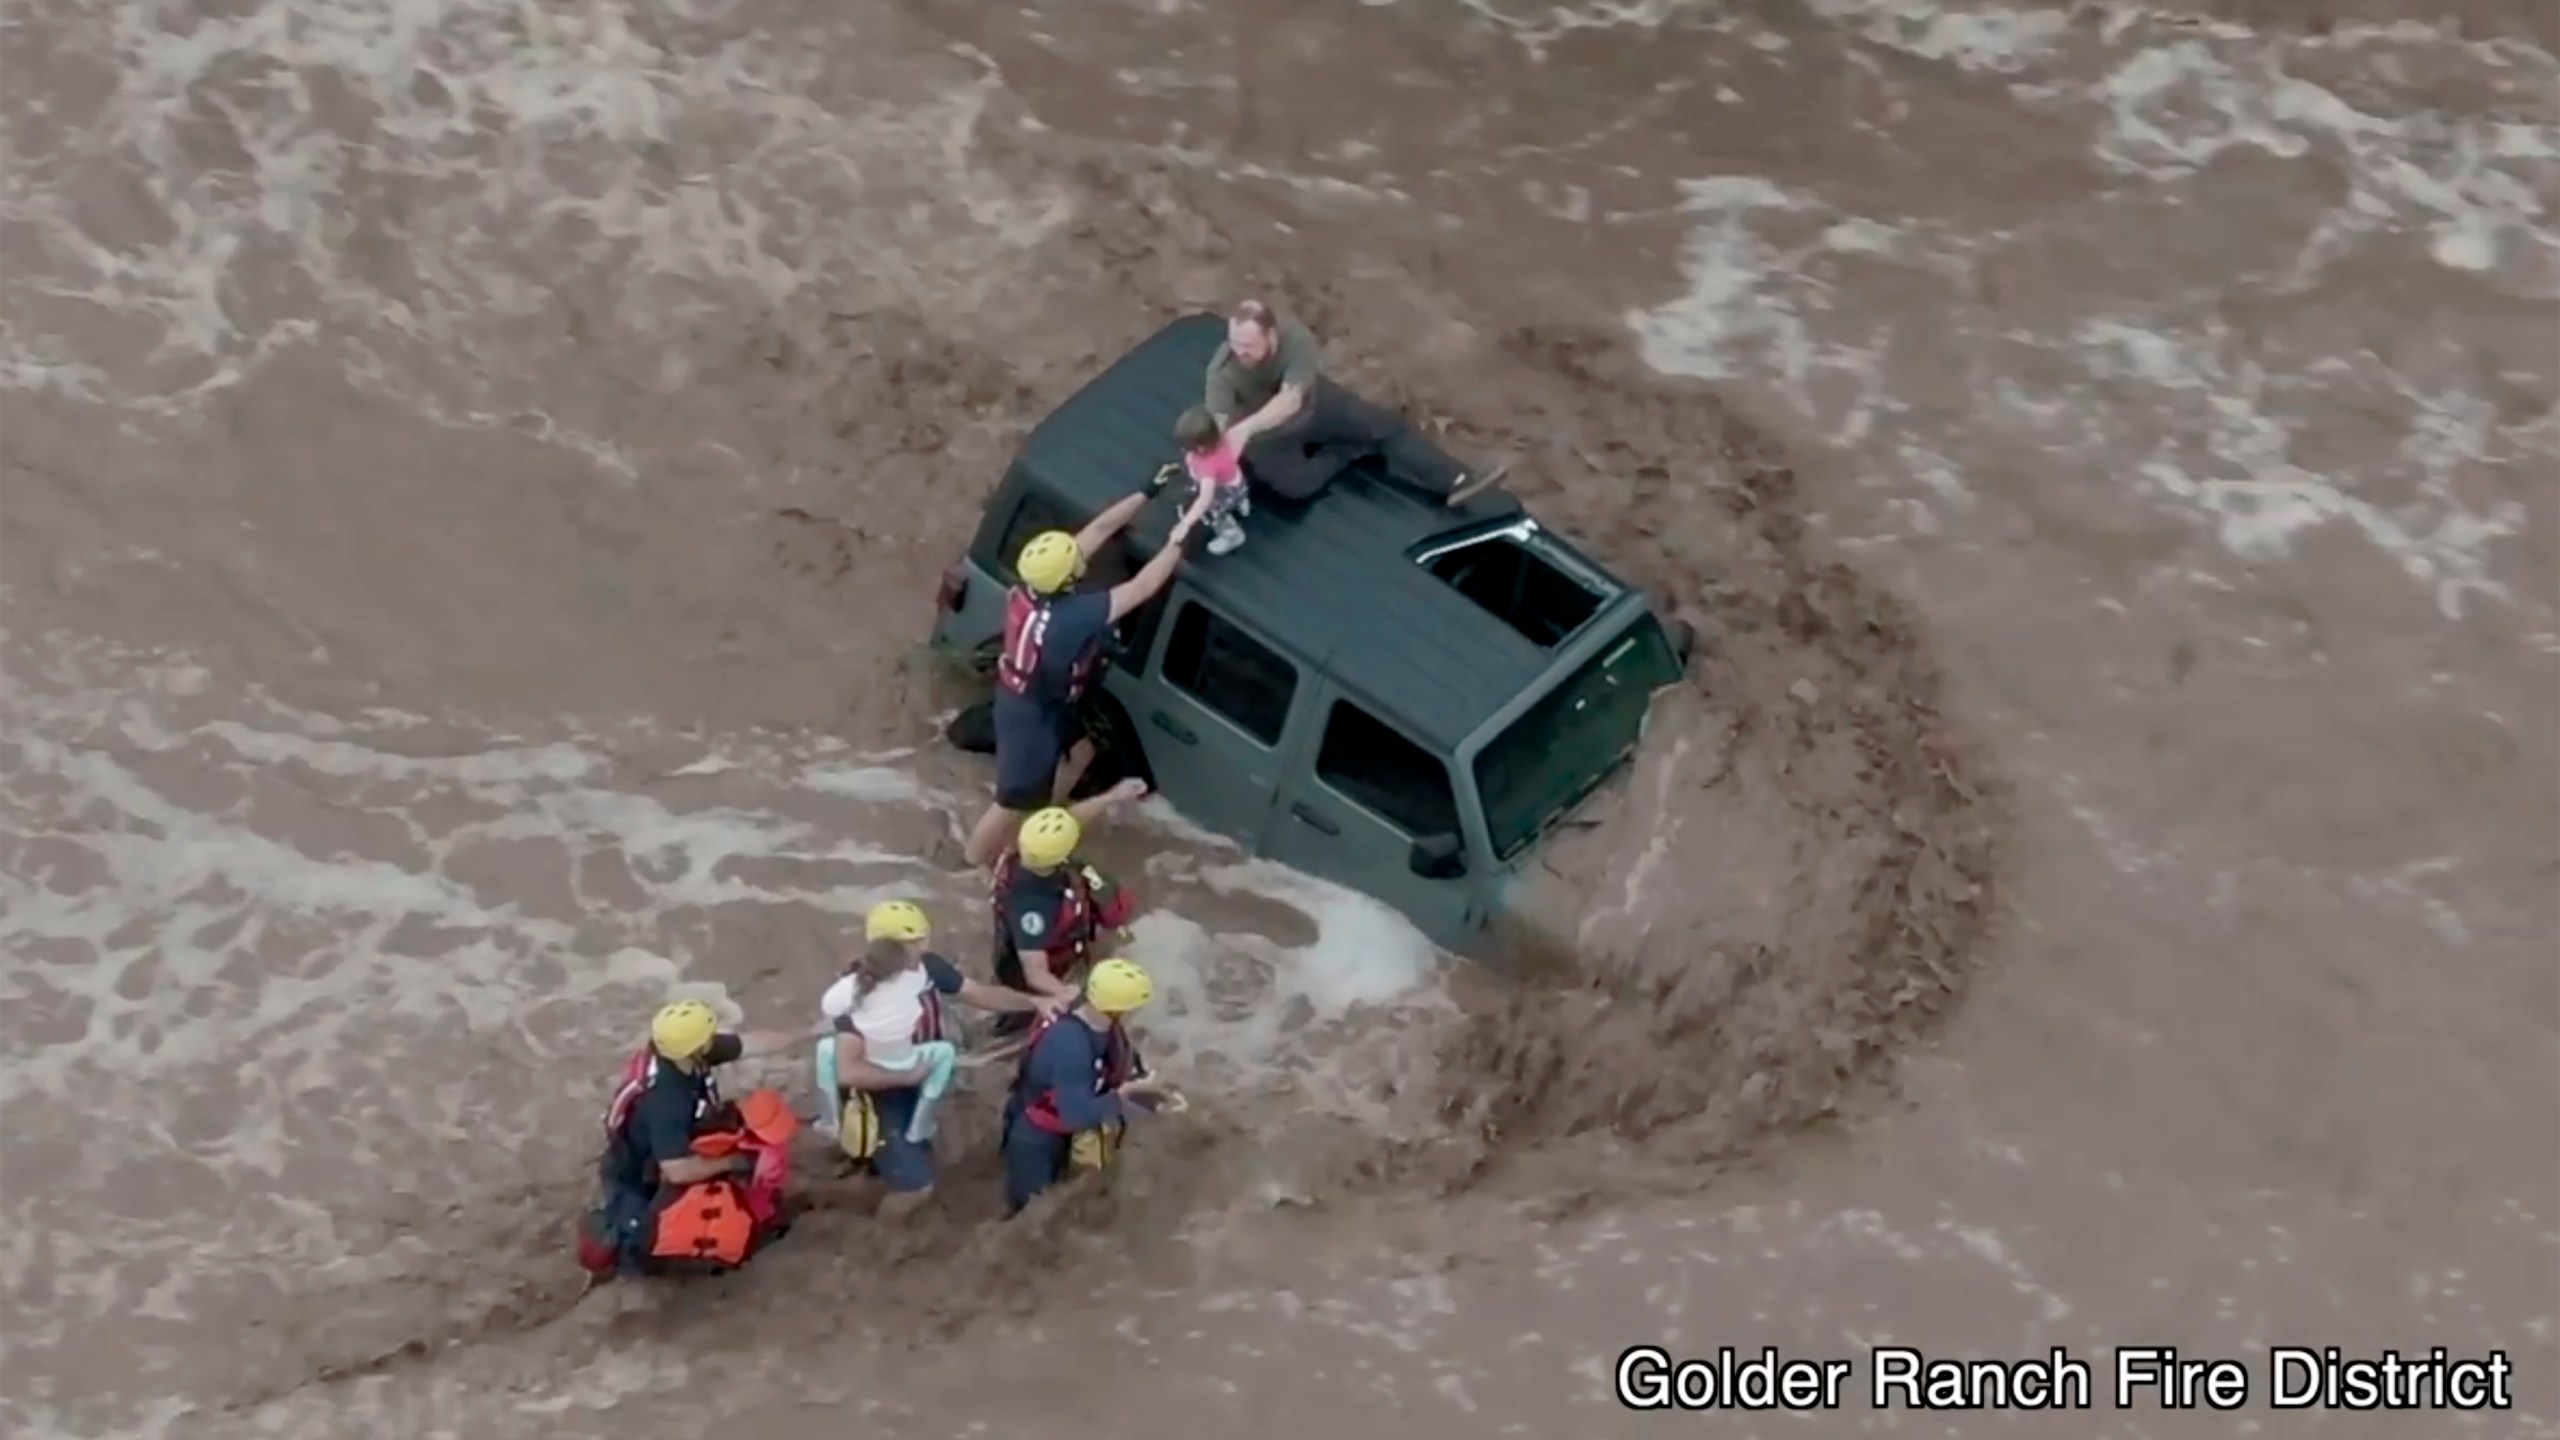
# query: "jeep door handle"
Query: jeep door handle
{"points": [[1316, 820], [1175, 728]]}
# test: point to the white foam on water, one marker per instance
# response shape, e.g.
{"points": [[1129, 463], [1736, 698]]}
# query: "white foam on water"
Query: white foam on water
{"points": [[1723, 323], [573, 126], [1157, 813], [1189, 970], [2262, 502], [186, 873], [36, 363], [1537, 27], [878, 784], [1364, 953], [1784, 287], [1664, 828], [187, 982], [2476, 186], [1978, 38], [1243, 1011], [162, 922], [1754, 266]]}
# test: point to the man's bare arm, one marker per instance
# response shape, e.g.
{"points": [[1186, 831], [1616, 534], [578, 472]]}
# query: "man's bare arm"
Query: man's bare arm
{"points": [[1000, 999], [693, 1169], [1040, 979], [1157, 573], [771, 1042], [1283, 408], [1094, 807], [1098, 532], [1300, 363]]}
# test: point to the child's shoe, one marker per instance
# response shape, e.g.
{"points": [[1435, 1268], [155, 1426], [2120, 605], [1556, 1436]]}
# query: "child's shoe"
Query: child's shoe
{"points": [[1225, 535]]}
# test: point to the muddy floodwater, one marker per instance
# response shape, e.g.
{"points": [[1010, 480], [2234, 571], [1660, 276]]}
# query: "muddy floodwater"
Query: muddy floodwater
{"points": [[473, 480]]}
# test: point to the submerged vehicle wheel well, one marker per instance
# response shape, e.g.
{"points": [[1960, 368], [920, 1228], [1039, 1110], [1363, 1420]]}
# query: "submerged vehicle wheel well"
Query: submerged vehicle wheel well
{"points": [[1683, 637], [973, 730], [1118, 753]]}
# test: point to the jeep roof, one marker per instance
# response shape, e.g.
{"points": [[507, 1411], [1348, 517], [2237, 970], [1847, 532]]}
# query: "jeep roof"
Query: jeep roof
{"points": [[1346, 581]]}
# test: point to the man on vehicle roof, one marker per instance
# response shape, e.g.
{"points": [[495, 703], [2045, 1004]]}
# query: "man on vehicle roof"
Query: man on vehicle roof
{"points": [[1054, 641], [1296, 429]]}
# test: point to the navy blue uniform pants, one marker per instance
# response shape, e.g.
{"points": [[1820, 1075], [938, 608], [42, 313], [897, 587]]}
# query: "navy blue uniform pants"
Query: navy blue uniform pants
{"points": [[1034, 1159]]}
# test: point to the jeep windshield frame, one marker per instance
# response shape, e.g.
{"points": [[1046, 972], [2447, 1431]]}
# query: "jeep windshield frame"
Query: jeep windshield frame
{"points": [[1548, 759]]}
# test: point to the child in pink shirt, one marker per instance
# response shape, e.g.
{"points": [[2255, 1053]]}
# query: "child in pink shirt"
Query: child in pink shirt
{"points": [[1217, 470]]}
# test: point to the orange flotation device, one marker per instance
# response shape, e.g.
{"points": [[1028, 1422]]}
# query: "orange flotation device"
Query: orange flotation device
{"points": [[718, 1223]]}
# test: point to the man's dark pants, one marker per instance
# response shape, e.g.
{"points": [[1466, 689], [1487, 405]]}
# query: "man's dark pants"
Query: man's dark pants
{"points": [[1335, 429]]}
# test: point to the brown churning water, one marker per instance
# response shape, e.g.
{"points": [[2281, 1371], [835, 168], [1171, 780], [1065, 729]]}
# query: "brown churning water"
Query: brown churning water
{"points": [[472, 480]]}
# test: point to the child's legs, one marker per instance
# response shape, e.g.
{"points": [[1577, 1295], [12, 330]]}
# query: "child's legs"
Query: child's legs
{"points": [[1226, 502]]}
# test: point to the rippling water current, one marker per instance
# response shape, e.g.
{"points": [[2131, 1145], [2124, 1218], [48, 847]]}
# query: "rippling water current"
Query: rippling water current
{"points": [[471, 480]]}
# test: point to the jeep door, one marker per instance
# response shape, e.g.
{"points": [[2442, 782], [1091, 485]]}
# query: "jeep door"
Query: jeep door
{"points": [[1354, 814], [1214, 718]]}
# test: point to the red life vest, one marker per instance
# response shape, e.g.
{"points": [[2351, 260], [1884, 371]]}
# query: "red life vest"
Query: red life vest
{"points": [[1111, 1070], [1076, 923], [929, 1024], [1026, 637]]}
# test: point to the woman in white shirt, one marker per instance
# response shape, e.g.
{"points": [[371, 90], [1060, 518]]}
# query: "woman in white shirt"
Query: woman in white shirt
{"points": [[890, 1061]]}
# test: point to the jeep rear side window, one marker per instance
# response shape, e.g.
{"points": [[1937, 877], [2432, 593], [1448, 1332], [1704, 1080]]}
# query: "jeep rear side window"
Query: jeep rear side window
{"points": [[1035, 513], [1032, 514], [1373, 765], [1232, 673]]}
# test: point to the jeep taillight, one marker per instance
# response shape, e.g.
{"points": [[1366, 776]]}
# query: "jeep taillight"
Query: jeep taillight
{"points": [[955, 585]]}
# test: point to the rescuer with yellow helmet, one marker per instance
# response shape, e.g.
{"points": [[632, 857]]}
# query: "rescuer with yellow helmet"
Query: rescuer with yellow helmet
{"points": [[1081, 1075], [1052, 908], [890, 1059], [667, 1098], [1054, 641]]}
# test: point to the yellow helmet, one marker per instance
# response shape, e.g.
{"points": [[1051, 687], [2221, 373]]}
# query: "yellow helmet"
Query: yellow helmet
{"points": [[896, 920], [683, 1029], [1117, 987], [1049, 839], [1050, 562]]}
